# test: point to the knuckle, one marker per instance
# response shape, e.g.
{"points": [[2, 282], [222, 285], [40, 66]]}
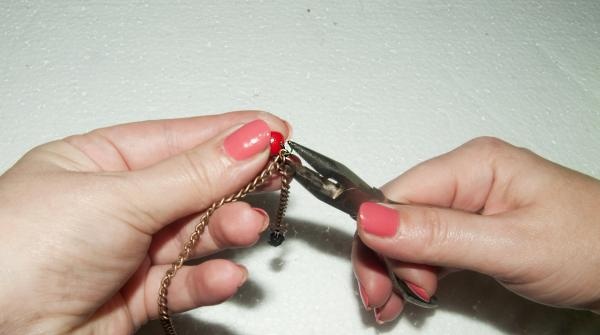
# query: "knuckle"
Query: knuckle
{"points": [[493, 150], [488, 144], [525, 154], [201, 174], [195, 173], [127, 190], [222, 235], [171, 139], [501, 153], [239, 230], [436, 234], [217, 274], [233, 238]]}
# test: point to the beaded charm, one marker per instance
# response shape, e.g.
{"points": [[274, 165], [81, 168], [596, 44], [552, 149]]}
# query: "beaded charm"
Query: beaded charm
{"points": [[277, 143]]}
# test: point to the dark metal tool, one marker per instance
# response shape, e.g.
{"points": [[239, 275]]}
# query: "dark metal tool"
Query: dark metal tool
{"points": [[336, 185]]}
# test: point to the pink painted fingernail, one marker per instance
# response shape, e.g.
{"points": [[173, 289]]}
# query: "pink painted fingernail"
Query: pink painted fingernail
{"points": [[244, 271], [265, 216], [363, 296], [418, 291], [249, 140], [377, 313], [378, 219]]}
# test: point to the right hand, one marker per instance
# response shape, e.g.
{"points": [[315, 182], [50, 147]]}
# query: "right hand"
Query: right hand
{"points": [[488, 207]]}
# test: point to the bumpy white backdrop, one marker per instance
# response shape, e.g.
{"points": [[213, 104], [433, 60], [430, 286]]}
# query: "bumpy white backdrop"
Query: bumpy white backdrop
{"points": [[381, 85]]}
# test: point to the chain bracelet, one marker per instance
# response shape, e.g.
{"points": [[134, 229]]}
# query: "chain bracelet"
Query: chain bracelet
{"points": [[278, 164]]}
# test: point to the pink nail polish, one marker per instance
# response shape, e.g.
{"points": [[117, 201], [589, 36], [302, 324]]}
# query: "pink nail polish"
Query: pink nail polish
{"points": [[378, 219], [244, 271], [265, 217], [249, 140], [363, 296], [418, 291], [377, 313]]}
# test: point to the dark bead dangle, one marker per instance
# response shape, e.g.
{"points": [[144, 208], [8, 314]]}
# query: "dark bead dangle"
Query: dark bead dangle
{"points": [[279, 228], [276, 238]]}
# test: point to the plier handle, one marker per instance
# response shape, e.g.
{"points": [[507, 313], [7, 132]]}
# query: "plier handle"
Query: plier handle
{"points": [[336, 185]]}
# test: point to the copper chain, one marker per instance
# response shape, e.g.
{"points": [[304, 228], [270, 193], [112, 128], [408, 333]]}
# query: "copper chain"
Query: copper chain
{"points": [[276, 165]]}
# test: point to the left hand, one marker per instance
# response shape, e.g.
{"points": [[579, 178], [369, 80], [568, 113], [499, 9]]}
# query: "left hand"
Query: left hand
{"points": [[85, 223]]}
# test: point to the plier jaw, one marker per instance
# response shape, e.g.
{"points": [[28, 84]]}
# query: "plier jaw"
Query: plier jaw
{"points": [[336, 185], [332, 182]]}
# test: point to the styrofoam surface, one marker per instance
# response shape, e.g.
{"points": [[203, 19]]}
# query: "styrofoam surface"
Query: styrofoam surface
{"points": [[380, 85]]}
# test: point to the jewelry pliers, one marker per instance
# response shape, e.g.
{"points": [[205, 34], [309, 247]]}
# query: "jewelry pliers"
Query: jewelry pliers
{"points": [[336, 185]]}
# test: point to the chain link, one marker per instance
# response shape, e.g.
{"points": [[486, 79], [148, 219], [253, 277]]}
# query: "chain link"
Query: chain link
{"points": [[278, 229], [278, 164]]}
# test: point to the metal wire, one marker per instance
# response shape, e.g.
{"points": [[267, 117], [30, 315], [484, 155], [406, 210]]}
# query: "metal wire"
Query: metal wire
{"points": [[276, 165]]}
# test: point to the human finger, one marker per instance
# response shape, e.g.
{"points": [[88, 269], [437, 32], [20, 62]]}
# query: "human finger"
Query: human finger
{"points": [[441, 237], [208, 283], [138, 145], [390, 310], [374, 285], [191, 181], [234, 225], [421, 279], [466, 178]]}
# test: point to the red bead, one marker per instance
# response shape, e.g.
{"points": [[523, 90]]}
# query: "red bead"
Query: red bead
{"points": [[277, 142]]}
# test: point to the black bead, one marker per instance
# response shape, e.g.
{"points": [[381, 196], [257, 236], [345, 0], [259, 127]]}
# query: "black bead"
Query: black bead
{"points": [[276, 238]]}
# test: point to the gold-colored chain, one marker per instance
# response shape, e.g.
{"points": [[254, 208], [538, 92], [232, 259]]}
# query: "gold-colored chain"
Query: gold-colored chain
{"points": [[278, 228], [278, 164]]}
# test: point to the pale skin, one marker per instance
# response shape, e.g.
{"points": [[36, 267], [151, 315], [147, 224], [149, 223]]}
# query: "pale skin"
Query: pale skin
{"points": [[492, 208], [90, 223]]}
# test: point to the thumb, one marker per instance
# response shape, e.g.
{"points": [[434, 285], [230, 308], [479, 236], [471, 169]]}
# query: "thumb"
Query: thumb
{"points": [[189, 182], [437, 236]]}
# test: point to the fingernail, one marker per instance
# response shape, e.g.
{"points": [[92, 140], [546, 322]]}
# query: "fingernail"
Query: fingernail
{"points": [[265, 216], [377, 313], [418, 291], [378, 219], [363, 296], [244, 274], [249, 140]]}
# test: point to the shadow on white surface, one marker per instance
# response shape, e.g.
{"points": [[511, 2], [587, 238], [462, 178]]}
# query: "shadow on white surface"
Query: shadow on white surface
{"points": [[471, 295]]}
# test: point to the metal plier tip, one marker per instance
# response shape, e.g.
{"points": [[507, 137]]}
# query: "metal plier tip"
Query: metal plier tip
{"points": [[335, 184]]}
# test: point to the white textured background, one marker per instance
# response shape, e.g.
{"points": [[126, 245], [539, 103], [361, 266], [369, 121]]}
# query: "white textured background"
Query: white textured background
{"points": [[379, 85]]}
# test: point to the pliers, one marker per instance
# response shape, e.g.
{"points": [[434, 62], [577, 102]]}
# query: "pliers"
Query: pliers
{"points": [[336, 185]]}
